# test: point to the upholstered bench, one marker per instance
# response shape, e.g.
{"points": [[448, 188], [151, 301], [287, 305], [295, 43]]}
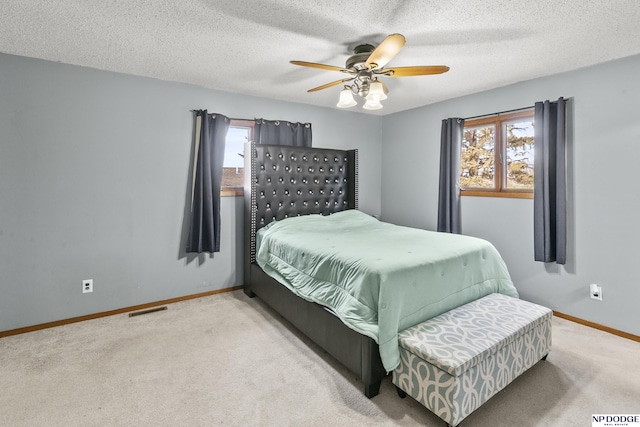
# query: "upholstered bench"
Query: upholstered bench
{"points": [[455, 362]]}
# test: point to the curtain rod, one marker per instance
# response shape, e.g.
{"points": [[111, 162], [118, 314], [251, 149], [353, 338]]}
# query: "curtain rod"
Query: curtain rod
{"points": [[306, 124], [499, 113], [230, 118], [506, 111]]}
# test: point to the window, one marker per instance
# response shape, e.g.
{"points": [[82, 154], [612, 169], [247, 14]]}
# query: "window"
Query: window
{"points": [[239, 132], [497, 156]]}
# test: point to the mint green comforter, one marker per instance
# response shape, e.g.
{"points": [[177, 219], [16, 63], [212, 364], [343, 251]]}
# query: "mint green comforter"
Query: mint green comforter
{"points": [[379, 278]]}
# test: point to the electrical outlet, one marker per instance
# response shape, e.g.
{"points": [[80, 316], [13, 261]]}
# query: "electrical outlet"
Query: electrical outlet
{"points": [[595, 291], [87, 286]]}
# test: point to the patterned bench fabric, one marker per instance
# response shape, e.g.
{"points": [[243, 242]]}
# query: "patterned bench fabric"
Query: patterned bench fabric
{"points": [[455, 362]]}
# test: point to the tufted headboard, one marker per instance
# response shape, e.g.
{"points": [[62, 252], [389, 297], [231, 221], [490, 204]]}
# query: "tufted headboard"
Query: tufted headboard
{"points": [[282, 181]]}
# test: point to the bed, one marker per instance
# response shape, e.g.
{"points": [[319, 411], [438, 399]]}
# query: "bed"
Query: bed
{"points": [[289, 190]]}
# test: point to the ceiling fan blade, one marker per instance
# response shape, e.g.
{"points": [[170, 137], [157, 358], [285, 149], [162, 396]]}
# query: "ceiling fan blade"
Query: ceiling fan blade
{"points": [[337, 82], [321, 66], [385, 51], [420, 70]]}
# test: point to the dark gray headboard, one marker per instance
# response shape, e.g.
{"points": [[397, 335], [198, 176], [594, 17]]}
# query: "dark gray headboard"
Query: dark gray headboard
{"points": [[282, 181]]}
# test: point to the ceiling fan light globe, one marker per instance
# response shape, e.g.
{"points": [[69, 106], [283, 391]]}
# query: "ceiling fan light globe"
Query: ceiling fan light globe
{"points": [[346, 99], [372, 104], [376, 92]]}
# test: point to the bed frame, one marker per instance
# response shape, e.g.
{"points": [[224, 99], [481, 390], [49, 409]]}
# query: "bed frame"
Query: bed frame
{"points": [[283, 181]]}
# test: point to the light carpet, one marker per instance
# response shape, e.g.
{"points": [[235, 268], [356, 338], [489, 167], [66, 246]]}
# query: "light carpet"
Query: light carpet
{"points": [[230, 360]]}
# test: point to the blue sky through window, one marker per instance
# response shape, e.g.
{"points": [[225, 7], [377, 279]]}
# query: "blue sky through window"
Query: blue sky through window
{"points": [[236, 137]]}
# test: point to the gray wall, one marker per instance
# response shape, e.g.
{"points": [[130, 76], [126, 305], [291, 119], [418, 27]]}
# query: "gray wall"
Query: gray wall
{"points": [[604, 199], [94, 172]]}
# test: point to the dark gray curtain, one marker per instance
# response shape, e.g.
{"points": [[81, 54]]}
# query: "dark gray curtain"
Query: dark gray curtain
{"points": [[280, 132], [550, 187], [449, 218], [204, 228]]}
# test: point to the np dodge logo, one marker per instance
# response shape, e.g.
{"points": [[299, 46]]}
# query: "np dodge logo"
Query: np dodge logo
{"points": [[602, 420]]}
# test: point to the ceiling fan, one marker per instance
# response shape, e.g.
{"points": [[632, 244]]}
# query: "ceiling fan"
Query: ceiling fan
{"points": [[365, 66]]}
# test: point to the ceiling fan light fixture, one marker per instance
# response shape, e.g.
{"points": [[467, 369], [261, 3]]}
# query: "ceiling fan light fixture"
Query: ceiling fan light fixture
{"points": [[372, 104], [364, 67], [376, 91], [346, 98]]}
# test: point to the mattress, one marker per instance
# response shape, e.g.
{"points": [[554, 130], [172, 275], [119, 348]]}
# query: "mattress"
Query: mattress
{"points": [[379, 278]]}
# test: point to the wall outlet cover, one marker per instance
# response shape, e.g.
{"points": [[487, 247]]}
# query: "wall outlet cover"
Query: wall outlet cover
{"points": [[87, 286]]}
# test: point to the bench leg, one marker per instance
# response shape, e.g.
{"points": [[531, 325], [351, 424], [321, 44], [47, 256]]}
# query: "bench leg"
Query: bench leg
{"points": [[401, 392], [544, 357]]}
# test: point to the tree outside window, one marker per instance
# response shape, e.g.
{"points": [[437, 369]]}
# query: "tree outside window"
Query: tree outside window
{"points": [[497, 156]]}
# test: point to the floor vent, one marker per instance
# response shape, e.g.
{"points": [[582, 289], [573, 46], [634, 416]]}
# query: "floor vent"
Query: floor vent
{"points": [[151, 310]]}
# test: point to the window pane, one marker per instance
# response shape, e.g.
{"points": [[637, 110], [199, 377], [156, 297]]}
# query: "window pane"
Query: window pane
{"points": [[477, 167], [233, 172], [519, 151]]}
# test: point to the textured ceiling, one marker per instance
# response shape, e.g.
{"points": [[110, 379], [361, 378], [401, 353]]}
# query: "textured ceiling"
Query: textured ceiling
{"points": [[244, 46]]}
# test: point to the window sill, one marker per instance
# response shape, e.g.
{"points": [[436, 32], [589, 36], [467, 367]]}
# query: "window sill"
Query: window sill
{"points": [[231, 192], [503, 194]]}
